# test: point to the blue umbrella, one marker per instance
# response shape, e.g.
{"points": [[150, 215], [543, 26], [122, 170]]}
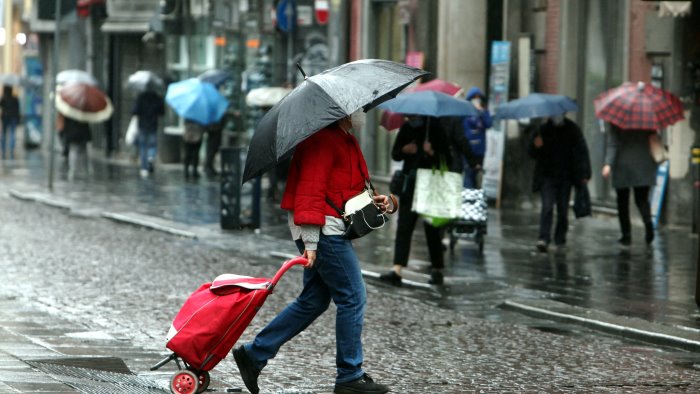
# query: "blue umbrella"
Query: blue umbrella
{"points": [[429, 103], [215, 77], [536, 105], [196, 100]]}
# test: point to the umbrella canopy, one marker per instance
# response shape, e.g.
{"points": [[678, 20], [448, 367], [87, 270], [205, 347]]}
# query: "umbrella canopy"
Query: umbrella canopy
{"points": [[144, 80], [321, 100], [69, 76], [216, 77], [266, 97], [638, 106], [83, 102], [536, 105], [10, 79], [429, 103], [391, 120], [196, 100]]}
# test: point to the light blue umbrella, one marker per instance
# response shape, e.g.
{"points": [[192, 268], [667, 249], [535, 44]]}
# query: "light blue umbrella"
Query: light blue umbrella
{"points": [[536, 105], [429, 103], [196, 100]]}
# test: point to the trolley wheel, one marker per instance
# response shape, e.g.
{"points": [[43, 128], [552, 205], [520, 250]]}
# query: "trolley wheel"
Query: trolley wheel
{"points": [[479, 238], [202, 381], [184, 382]]}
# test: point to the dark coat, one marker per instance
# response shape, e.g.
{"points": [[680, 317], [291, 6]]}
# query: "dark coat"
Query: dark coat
{"points": [[76, 132], [629, 156], [148, 107], [563, 157]]}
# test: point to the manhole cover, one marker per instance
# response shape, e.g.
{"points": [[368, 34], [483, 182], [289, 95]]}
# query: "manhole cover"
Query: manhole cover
{"points": [[96, 375]]}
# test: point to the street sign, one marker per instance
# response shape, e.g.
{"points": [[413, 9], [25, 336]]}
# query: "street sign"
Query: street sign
{"points": [[305, 15], [322, 11], [287, 15]]}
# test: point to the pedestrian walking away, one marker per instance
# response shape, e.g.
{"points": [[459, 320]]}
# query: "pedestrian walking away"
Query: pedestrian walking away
{"points": [[9, 105], [629, 161], [77, 135], [148, 107], [475, 129], [561, 161], [327, 165], [192, 139], [214, 132], [423, 142]]}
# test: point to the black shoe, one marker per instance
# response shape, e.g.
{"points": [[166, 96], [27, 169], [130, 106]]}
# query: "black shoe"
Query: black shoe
{"points": [[649, 236], [542, 246], [436, 278], [365, 384], [249, 373], [391, 277], [625, 241]]}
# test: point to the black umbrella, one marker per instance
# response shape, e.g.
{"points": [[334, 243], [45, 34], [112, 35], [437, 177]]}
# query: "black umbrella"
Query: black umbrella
{"points": [[215, 77], [321, 100]]}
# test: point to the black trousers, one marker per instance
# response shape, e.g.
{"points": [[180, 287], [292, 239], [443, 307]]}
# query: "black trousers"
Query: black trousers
{"points": [[213, 145], [641, 199], [554, 193], [192, 156], [404, 233]]}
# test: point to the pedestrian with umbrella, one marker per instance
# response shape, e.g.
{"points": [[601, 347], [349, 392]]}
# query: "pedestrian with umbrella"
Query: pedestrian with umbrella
{"points": [[147, 108], [313, 123], [636, 111], [423, 142], [200, 104], [80, 104], [475, 129]]}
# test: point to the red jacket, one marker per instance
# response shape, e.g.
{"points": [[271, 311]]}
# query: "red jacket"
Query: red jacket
{"points": [[327, 164]]}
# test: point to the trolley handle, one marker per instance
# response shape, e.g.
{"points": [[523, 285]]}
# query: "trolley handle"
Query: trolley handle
{"points": [[300, 260]]}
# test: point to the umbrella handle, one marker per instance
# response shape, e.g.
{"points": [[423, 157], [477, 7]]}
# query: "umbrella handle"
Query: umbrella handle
{"points": [[301, 70]]}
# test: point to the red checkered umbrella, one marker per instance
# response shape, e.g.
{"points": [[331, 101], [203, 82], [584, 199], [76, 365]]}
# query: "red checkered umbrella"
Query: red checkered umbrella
{"points": [[638, 106], [392, 120]]}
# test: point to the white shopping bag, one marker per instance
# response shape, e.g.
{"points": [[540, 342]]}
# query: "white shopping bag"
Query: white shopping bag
{"points": [[132, 131], [438, 193]]}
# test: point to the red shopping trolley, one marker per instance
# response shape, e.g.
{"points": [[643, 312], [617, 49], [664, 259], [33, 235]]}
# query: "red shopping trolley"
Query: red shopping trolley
{"points": [[211, 321]]}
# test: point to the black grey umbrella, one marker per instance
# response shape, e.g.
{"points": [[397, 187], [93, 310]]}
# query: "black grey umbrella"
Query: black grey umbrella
{"points": [[321, 100]]}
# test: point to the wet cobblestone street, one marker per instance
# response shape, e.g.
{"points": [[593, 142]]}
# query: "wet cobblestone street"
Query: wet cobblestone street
{"points": [[71, 274]]}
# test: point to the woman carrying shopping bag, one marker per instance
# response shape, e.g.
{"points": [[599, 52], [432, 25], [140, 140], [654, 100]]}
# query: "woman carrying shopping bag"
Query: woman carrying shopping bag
{"points": [[423, 142]]}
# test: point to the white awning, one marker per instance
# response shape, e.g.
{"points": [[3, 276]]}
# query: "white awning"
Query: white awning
{"points": [[125, 27], [675, 8]]}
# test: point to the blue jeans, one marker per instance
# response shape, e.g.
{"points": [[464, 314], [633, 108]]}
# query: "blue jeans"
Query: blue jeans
{"points": [[336, 275], [147, 147], [8, 130]]}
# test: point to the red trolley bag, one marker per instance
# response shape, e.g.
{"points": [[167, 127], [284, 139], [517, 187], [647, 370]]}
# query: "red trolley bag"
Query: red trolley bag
{"points": [[211, 321]]}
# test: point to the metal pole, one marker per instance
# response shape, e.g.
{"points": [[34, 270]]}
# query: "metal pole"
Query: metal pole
{"points": [[54, 63], [695, 164], [289, 12]]}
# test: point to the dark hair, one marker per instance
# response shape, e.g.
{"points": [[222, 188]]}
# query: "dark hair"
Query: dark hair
{"points": [[7, 90]]}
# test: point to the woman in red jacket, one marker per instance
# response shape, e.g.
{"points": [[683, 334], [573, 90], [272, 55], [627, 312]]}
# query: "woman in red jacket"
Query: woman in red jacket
{"points": [[329, 164]]}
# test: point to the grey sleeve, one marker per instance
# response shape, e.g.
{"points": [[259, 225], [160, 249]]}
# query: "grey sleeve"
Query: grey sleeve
{"points": [[310, 235], [611, 147]]}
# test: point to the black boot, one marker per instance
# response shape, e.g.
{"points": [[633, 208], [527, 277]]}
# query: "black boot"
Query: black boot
{"points": [[391, 277], [436, 278], [649, 233]]}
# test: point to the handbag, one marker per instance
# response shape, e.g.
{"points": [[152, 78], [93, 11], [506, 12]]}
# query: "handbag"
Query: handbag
{"points": [[132, 131], [361, 215], [582, 201], [398, 183], [657, 149]]}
